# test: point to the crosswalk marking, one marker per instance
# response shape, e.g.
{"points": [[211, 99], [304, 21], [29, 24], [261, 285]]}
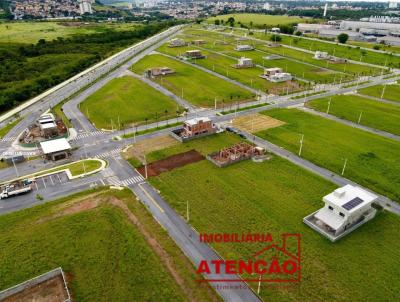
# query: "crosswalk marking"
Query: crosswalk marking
{"points": [[133, 180], [8, 139], [114, 180], [89, 134], [109, 153]]}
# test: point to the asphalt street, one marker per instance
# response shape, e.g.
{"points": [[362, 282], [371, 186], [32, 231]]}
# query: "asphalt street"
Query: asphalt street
{"points": [[92, 142]]}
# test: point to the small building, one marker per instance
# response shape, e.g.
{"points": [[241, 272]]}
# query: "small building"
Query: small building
{"points": [[244, 47], [56, 149], [158, 71], [198, 42], [272, 71], [238, 152], [47, 125], [321, 55], [194, 54], [346, 209], [177, 43], [196, 127], [272, 57], [276, 75], [338, 60], [244, 63], [281, 77]]}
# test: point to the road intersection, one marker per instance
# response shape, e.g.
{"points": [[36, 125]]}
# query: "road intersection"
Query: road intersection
{"points": [[96, 143]]}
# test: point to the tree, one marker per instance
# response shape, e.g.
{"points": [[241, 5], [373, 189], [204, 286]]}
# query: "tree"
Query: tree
{"points": [[216, 22], [231, 21], [276, 38], [342, 38]]}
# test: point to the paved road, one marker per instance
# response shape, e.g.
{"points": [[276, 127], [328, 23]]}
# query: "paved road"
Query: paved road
{"points": [[71, 110], [378, 99], [327, 174], [180, 101], [351, 124], [184, 236], [214, 74]]}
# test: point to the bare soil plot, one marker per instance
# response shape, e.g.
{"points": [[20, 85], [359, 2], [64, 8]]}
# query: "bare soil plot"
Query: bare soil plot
{"points": [[51, 290], [171, 162], [141, 148], [256, 122]]}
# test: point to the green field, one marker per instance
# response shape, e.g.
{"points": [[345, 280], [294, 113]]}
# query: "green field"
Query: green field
{"points": [[298, 69], [31, 32], [342, 51], [224, 66], [297, 60], [372, 159], [391, 93], [126, 102], [274, 196], [198, 87], [104, 255], [6, 129], [377, 115], [259, 19]]}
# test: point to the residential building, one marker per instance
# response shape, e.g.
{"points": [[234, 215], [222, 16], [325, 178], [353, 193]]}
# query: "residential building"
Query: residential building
{"points": [[244, 47], [244, 63], [345, 209]]}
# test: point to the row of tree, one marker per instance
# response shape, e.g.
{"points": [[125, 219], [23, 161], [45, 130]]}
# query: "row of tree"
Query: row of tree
{"points": [[27, 70]]}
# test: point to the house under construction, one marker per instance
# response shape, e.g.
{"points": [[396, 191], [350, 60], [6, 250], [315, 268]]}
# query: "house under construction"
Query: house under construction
{"points": [[235, 153], [158, 71]]}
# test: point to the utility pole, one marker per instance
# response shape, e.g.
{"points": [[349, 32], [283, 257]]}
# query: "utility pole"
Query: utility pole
{"points": [[145, 166], [344, 165], [301, 144], [259, 285], [187, 210], [84, 168], [383, 91], [329, 105], [182, 94], [215, 103], [359, 117], [15, 167]]}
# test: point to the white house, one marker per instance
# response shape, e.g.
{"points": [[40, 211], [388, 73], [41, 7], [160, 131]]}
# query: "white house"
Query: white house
{"points": [[345, 209], [276, 75], [244, 63], [243, 47], [321, 55]]}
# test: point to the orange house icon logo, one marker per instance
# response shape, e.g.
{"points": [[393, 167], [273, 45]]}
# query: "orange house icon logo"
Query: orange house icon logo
{"points": [[274, 263]]}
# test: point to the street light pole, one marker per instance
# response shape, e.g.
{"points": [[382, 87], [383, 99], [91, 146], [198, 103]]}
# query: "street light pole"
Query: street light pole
{"points": [[344, 165], [301, 144], [329, 105], [359, 117]]}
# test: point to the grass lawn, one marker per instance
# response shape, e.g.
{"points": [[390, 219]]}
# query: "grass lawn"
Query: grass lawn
{"points": [[372, 159], [322, 71], [199, 87], [391, 93], [274, 196], [298, 69], [259, 19], [77, 168], [130, 100], [6, 129], [31, 32], [106, 257], [377, 115], [338, 50], [223, 66]]}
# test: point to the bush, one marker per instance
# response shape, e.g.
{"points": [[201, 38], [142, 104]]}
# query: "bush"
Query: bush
{"points": [[276, 38], [342, 38]]}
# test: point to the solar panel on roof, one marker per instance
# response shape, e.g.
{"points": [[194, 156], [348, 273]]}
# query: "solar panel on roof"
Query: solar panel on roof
{"points": [[352, 203]]}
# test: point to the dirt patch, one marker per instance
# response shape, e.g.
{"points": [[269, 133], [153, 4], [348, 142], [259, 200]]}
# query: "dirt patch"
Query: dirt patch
{"points": [[51, 290], [171, 162], [141, 148], [256, 122]]}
